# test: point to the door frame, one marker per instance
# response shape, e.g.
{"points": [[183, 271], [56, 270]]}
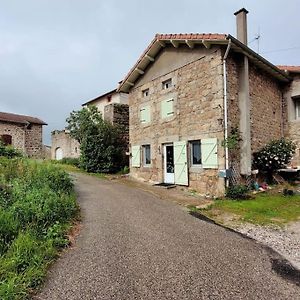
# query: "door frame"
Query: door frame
{"points": [[168, 177]]}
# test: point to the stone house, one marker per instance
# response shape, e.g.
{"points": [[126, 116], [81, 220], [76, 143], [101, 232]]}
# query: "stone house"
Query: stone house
{"points": [[114, 108], [22, 132], [62, 145], [187, 92]]}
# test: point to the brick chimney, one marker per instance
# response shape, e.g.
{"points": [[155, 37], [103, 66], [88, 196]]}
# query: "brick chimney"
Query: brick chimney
{"points": [[241, 25]]}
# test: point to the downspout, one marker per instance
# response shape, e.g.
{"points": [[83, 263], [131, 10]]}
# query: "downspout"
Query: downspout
{"points": [[226, 110]]}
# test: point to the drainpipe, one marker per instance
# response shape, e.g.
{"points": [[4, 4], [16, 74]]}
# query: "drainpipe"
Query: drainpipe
{"points": [[226, 110]]}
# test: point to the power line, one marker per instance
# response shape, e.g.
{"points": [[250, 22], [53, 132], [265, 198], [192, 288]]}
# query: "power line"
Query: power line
{"points": [[279, 50]]}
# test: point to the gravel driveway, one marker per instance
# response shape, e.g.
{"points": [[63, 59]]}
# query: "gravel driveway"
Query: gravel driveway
{"points": [[134, 246]]}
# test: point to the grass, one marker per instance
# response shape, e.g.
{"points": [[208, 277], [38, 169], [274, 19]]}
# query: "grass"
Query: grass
{"points": [[265, 209], [37, 208]]}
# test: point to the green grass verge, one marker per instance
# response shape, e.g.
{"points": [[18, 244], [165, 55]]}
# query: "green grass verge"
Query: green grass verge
{"points": [[265, 209], [37, 208]]}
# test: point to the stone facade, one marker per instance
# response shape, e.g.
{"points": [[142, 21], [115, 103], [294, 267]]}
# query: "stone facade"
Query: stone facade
{"points": [[197, 91], [62, 145], [118, 114], [292, 129], [28, 139]]}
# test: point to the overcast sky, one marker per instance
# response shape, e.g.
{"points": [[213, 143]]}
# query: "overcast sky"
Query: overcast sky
{"points": [[57, 54]]}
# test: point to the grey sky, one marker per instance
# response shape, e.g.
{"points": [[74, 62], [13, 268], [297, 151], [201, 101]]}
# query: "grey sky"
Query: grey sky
{"points": [[57, 54]]}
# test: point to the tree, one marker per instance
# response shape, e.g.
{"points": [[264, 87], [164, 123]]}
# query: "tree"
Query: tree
{"points": [[102, 145]]}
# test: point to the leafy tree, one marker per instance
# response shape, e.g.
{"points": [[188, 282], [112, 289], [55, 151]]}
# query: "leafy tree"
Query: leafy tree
{"points": [[102, 145]]}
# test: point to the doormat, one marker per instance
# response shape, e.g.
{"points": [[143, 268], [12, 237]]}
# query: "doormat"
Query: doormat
{"points": [[165, 185]]}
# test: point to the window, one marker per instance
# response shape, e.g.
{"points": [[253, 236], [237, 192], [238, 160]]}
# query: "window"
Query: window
{"points": [[145, 116], [195, 153], [145, 93], [146, 155], [6, 139], [167, 109], [167, 84], [297, 105]]}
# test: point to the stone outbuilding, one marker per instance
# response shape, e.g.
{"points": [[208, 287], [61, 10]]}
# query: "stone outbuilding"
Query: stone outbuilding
{"points": [[188, 92], [113, 107], [25, 133]]}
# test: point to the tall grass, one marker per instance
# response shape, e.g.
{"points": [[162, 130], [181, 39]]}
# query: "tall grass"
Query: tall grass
{"points": [[37, 205]]}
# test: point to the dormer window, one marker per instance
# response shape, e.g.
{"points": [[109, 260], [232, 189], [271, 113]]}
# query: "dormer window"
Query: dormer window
{"points": [[167, 84], [145, 93]]}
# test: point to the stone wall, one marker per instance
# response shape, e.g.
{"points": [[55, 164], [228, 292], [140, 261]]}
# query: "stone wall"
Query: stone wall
{"points": [[28, 139], [198, 101], [17, 131], [292, 131], [34, 140], [118, 114], [69, 146], [267, 112], [266, 108]]}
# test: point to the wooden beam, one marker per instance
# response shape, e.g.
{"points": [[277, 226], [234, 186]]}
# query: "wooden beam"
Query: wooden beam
{"points": [[189, 43], [130, 83], [174, 43], [162, 43], [149, 57], [139, 71], [206, 44]]}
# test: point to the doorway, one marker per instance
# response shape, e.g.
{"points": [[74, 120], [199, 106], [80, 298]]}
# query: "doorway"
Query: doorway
{"points": [[169, 164]]}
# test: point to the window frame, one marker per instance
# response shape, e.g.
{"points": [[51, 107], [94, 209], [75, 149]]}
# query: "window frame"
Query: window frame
{"points": [[145, 93], [191, 152], [167, 84], [144, 155], [297, 109]]}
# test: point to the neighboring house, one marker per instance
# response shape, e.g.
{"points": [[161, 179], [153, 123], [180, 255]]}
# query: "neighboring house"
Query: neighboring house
{"points": [[22, 132], [108, 98], [113, 107], [62, 145], [188, 91]]}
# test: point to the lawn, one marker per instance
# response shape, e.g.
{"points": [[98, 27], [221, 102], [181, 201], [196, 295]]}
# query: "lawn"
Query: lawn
{"points": [[265, 209]]}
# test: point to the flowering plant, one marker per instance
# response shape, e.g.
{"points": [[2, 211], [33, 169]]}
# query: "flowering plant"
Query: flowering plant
{"points": [[275, 155]]}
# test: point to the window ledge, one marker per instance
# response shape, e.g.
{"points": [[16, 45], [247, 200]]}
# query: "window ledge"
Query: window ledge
{"points": [[196, 169]]}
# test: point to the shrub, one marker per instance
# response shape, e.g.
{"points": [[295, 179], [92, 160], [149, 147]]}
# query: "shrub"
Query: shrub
{"points": [[275, 155], [102, 146], [37, 204], [237, 192], [70, 161], [9, 151]]}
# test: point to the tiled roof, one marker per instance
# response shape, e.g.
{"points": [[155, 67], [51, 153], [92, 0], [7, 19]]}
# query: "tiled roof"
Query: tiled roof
{"points": [[177, 37], [290, 68], [99, 97], [21, 119], [191, 36]]}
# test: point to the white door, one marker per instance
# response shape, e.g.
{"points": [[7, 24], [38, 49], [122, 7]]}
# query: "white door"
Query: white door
{"points": [[169, 163], [58, 154]]}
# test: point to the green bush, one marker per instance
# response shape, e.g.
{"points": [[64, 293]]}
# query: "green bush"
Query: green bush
{"points": [[275, 155], [9, 151], [70, 161], [102, 146], [237, 192], [37, 204]]}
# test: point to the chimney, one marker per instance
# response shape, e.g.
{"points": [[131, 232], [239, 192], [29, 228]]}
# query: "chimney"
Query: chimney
{"points": [[241, 25]]}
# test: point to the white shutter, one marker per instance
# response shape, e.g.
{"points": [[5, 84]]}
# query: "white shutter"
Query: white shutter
{"points": [[136, 156], [180, 163], [209, 152]]}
